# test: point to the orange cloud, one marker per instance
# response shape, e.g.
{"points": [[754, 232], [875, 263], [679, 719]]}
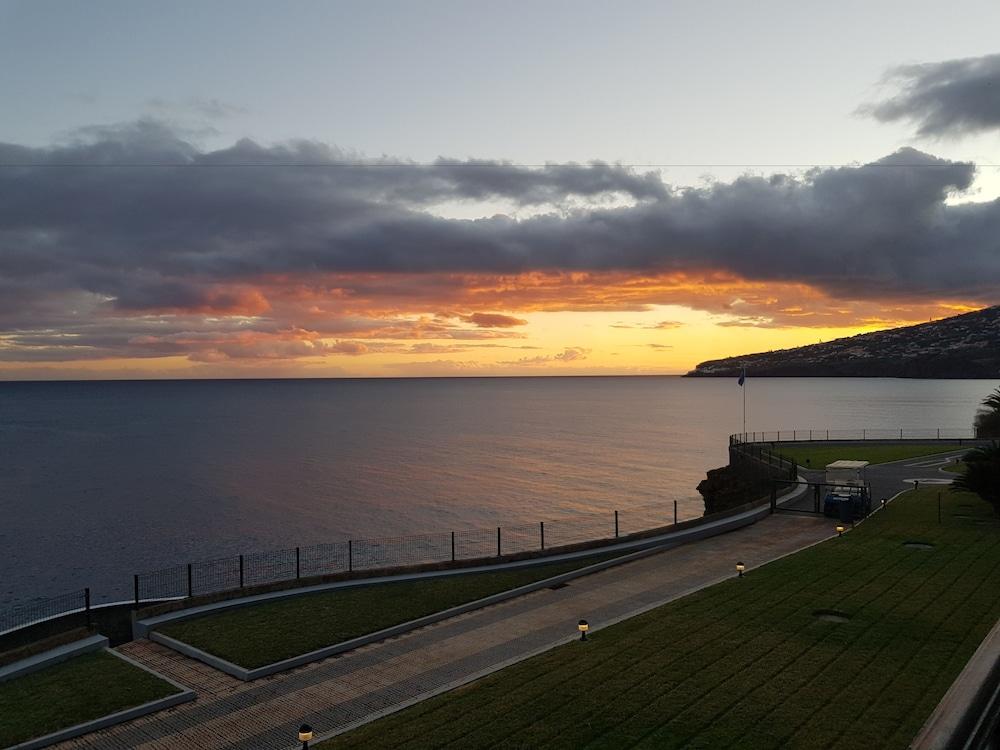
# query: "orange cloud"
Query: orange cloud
{"points": [[493, 320]]}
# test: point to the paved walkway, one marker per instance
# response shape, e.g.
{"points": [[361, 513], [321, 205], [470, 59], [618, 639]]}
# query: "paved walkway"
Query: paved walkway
{"points": [[353, 688]]}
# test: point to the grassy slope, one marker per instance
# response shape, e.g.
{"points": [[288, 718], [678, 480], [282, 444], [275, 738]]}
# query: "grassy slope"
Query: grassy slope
{"points": [[821, 455], [84, 688], [255, 636], [745, 663]]}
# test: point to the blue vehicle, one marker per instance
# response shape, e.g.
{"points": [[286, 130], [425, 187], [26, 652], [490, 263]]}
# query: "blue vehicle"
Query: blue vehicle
{"points": [[847, 503]]}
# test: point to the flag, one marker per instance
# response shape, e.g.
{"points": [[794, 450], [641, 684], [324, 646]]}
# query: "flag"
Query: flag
{"points": [[743, 375]]}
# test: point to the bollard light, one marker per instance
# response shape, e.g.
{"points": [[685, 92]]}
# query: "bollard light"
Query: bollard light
{"points": [[740, 567], [840, 530], [583, 626], [305, 734]]}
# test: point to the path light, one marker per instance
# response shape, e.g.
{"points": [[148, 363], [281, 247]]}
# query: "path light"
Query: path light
{"points": [[840, 530], [583, 626], [740, 567], [305, 734]]}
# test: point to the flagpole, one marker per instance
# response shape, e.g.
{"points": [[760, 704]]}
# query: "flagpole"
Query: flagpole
{"points": [[744, 404]]}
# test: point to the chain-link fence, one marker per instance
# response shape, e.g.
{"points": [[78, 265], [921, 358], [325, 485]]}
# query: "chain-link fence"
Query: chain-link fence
{"points": [[39, 610], [242, 571]]}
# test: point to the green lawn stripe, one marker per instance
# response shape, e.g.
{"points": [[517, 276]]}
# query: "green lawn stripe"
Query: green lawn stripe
{"points": [[269, 632], [792, 721], [568, 694], [747, 661], [82, 689], [649, 668]]}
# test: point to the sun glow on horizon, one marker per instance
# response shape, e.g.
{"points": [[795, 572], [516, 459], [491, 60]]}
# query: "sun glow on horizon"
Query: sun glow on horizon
{"points": [[655, 340]]}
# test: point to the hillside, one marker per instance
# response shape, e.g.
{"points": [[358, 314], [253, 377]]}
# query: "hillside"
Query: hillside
{"points": [[965, 346]]}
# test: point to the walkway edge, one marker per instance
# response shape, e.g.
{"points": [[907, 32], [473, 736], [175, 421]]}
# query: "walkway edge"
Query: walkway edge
{"points": [[52, 656], [595, 627], [183, 696], [692, 529], [653, 546]]}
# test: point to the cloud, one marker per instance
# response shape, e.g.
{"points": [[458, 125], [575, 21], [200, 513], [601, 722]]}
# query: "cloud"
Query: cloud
{"points": [[663, 325], [948, 98], [569, 354], [212, 107], [133, 241], [493, 320], [348, 347]]}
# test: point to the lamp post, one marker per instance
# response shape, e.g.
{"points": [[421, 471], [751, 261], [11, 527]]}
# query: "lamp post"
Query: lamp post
{"points": [[305, 734], [740, 567], [583, 626]]}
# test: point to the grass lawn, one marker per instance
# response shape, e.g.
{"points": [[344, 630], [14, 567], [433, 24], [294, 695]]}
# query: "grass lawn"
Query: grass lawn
{"points": [[955, 467], [83, 688], [745, 663], [821, 455], [255, 636]]}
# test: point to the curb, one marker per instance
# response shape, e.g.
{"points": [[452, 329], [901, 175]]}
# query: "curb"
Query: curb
{"points": [[594, 628], [118, 717], [746, 518], [52, 656]]}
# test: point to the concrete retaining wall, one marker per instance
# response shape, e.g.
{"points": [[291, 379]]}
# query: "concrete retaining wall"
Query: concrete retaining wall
{"points": [[969, 713]]}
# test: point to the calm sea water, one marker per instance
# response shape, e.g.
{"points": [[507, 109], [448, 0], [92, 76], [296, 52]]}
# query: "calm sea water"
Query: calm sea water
{"points": [[100, 480]]}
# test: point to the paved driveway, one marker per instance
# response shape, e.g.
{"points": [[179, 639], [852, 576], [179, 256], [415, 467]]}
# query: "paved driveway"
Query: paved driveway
{"points": [[893, 477]]}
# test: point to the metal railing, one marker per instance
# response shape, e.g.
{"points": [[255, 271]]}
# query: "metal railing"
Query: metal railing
{"points": [[285, 565], [42, 609], [772, 464], [862, 435]]}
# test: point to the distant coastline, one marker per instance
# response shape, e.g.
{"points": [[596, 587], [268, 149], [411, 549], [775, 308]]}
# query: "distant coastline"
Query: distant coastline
{"points": [[963, 347]]}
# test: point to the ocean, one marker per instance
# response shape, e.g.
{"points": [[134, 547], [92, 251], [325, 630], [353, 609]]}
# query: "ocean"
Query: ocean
{"points": [[99, 480]]}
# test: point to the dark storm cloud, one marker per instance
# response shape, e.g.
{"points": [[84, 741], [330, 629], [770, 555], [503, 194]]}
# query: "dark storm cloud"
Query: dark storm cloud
{"points": [[945, 98], [92, 234]]}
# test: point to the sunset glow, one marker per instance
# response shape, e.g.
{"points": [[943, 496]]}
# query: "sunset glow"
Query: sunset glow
{"points": [[633, 210]]}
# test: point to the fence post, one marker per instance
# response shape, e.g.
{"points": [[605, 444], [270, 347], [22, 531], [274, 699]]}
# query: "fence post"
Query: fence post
{"points": [[298, 565], [453, 546], [190, 587], [498, 541], [541, 529], [86, 591], [900, 433], [828, 436], [241, 571], [939, 433], [864, 434], [774, 496], [350, 556], [616, 524], [675, 512], [135, 587], [810, 435]]}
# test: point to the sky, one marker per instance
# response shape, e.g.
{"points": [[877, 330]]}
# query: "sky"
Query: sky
{"points": [[323, 189]]}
